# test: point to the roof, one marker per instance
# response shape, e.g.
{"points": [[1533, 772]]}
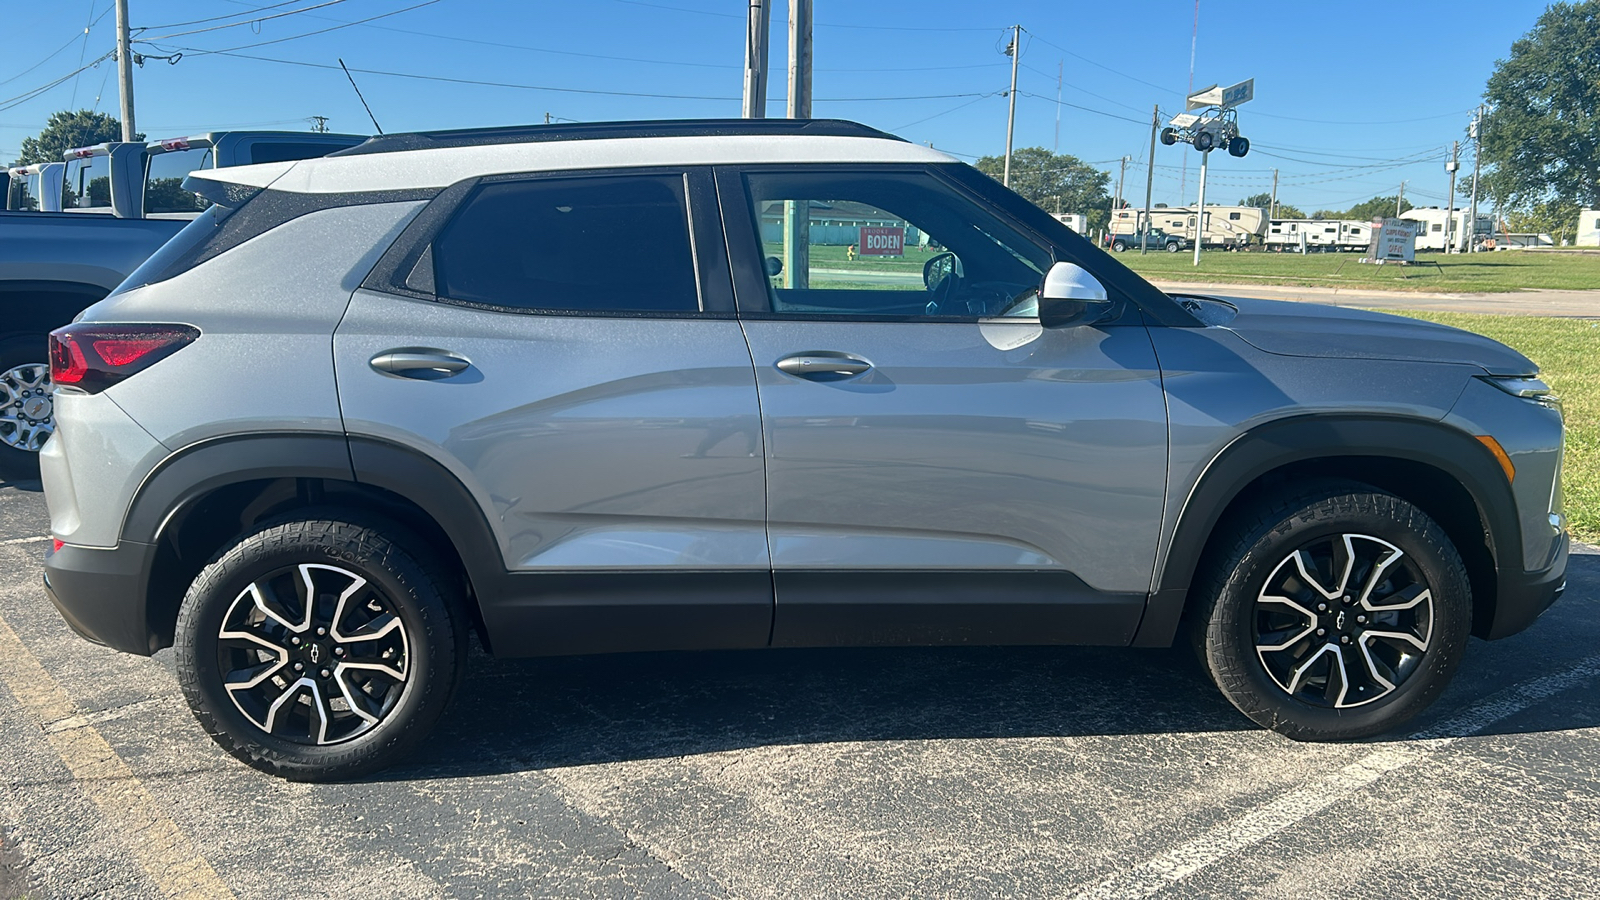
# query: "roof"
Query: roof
{"points": [[439, 159]]}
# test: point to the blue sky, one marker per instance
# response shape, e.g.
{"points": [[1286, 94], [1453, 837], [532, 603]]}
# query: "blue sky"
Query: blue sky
{"points": [[1350, 99]]}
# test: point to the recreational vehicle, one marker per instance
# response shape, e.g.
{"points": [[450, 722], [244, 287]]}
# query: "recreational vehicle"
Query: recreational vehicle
{"points": [[1588, 228], [1317, 235], [1226, 226], [1432, 228]]}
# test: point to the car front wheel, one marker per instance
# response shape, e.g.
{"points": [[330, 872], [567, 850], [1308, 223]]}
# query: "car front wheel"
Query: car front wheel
{"points": [[1333, 614], [320, 648]]}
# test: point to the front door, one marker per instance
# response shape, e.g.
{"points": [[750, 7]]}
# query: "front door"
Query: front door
{"points": [[566, 347], [940, 468]]}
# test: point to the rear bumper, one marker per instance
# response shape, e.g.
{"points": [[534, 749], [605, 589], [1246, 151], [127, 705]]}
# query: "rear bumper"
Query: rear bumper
{"points": [[1524, 596], [101, 593]]}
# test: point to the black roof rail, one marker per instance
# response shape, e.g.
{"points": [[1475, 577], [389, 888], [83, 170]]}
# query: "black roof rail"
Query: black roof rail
{"points": [[587, 131]]}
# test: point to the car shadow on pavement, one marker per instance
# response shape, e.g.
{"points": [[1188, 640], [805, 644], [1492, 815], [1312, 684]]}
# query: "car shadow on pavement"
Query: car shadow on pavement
{"points": [[519, 715], [32, 486], [527, 715]]}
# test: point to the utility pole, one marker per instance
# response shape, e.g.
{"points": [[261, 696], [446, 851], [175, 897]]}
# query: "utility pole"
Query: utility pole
{"points": [[1149, 180], [1272, 210], [1400, 200], [1015, 52], [755, 60], [1120, 176], [797, 218], [1200, 223], [319, 124], [1477, 141], [1450, 224], [547, 118], [125, 70]]}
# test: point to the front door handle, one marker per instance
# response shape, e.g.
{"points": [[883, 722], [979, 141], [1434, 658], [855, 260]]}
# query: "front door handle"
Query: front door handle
{"points": [[425, 363], [823, 365]]}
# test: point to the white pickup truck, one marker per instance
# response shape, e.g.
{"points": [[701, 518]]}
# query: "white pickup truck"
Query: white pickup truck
{"points": [[118, 203]]}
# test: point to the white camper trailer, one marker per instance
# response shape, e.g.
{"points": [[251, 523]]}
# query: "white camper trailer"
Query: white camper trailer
{"points": [[1076, 221], [1433, 226], [1317, 235], [1226, 226], [1588, 228]]}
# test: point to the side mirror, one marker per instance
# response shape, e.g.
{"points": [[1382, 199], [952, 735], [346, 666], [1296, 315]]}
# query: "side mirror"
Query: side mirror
{"points": [[1071, 296]]}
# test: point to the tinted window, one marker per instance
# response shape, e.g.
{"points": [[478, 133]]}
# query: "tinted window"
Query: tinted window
{"points": [[163, 181], [273, 151], [87, 183], [605, 244]]}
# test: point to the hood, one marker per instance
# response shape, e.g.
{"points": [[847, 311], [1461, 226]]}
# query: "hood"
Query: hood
{"points": [[1311, 329]]}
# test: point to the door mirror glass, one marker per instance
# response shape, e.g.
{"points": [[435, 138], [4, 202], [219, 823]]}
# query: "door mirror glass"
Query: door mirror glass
{"points": [[1071, 296]]}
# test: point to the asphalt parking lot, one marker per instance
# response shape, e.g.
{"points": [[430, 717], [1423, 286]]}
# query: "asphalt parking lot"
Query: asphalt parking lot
{"points": [[1059, 772]]}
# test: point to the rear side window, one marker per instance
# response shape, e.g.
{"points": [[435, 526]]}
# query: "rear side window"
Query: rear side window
{"points": [[163, 181], [594, 245]]}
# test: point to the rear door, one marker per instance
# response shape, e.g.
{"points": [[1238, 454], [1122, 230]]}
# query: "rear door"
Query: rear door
{"points": [[939, 466], [566, 346]]}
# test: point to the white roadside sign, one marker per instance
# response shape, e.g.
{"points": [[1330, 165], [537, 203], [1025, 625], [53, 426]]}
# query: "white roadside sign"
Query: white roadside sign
{"points": [[1394, 240]]}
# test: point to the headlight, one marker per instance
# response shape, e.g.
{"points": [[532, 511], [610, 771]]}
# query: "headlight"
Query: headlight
{"points": [[1528, 387]]}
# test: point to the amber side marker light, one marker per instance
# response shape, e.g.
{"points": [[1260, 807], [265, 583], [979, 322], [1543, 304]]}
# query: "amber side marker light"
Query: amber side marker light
{"points": [[1499, 455]]}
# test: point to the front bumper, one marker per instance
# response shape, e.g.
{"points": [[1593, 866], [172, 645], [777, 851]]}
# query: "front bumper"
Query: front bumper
{"points": [[1524, 596], [102, 593]]}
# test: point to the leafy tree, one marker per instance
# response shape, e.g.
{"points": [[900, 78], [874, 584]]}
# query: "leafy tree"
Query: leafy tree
{"points": [[1376, 208], [66, 130], [1056, 181], [1557, 218], [1543, 138], [1264, 201]]}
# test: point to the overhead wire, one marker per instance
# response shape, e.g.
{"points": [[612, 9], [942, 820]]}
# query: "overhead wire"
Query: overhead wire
{"points": [[290, 12], [296, 37], [247, 12]]}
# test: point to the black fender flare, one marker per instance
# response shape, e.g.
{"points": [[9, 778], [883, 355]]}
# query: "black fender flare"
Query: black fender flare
{"points": [[1284, 442]]}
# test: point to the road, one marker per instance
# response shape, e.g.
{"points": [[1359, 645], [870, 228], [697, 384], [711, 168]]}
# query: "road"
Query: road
{"points": [[1056, 772], [1574, 304]]}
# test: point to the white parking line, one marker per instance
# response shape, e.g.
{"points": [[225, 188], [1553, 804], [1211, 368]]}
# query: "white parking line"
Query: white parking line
{"points": [[1275, 815], [27, 540]]}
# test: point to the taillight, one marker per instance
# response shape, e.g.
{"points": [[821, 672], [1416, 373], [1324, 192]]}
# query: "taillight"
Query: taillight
{"points": [[93, 356]]}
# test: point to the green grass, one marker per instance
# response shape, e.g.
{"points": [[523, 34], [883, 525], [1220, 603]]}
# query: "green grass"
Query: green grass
{"points": [[1568, 354], [1509, 270], [834, 258]]}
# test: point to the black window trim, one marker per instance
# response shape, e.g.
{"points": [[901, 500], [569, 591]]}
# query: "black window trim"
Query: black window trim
{"points": [[712, 285]]}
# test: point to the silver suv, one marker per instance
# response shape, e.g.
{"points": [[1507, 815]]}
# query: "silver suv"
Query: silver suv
{"points": [[739, 384]]}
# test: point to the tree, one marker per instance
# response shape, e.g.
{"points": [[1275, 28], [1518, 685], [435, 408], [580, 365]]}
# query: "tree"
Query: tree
{"points": [[67, 130], [1264, 201], [1366, 211], [1056, 181], [1543, 137]]}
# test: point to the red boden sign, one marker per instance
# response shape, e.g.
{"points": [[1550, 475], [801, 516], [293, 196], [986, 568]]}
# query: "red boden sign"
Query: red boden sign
{"points": [[877, 240]]}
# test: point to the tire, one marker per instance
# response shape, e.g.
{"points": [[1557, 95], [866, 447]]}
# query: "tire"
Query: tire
{"points": [[1238, 147], [1169, 136], [1204, 141], [1401, 633], [288, 721], [1174, 247], [26, 418], [1119, 247]]}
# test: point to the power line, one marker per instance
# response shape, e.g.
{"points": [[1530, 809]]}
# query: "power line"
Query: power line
{"points": [[289, 12], [1091, 62], [1405, 121], [946, 112], [722, 15], [247, 12], [563, 90], [24, 97], [1088, 109], [296, 37], [57, 52]]}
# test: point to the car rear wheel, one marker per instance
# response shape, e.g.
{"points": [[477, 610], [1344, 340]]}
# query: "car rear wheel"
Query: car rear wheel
{"points": [[27, 413], [1333, 614], [1119, 247], [320, 648]]}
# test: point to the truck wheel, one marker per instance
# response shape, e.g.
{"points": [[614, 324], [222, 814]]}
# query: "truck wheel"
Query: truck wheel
{"points": [[1333, 613], [27, 416], [320, 647], [1119, 246]]}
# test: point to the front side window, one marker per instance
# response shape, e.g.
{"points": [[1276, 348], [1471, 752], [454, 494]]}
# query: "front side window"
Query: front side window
{"points": [[606, 244], [889, 245]]}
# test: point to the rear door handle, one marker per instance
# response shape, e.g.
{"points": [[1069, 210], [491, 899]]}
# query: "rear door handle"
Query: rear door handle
{"points": [[824, 365], [424, 363]]}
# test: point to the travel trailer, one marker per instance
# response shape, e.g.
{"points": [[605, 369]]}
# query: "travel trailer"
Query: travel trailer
{"points": [[1432, 230], [1226, 226]]}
